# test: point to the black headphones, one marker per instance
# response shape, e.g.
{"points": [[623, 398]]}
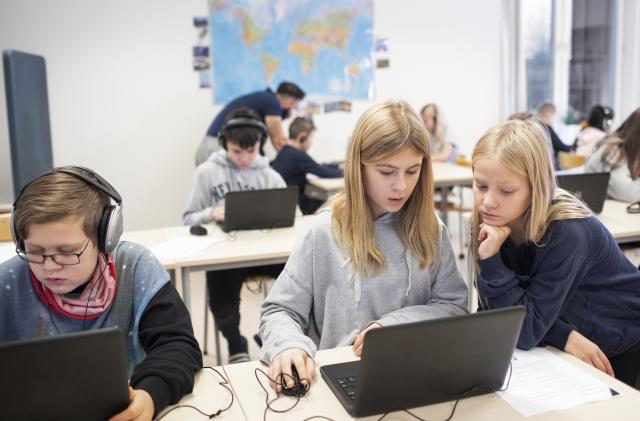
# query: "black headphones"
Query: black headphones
{"points": [[242, 122], [110, 228]]}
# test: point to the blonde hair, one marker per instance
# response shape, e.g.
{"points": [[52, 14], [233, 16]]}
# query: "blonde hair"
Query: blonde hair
{"points": [[439, 130], [523, 146], [384, 130], [55, 196]]}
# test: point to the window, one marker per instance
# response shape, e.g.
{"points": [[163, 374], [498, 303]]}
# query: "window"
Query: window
{"points": [[567, 50]]}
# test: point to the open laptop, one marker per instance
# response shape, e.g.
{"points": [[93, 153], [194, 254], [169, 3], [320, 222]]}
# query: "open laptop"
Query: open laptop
{"points": [[591, 188], [77, 376], [260, 209], [422, 363]]}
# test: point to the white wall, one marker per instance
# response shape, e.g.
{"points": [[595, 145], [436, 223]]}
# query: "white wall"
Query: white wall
{"points": [[124, 101], [447, 52]]}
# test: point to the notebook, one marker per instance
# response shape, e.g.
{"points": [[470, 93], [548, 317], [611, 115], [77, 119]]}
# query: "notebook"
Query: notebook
{"points": [[260, 209], [77, 376], [591, 188], [423, 363]]}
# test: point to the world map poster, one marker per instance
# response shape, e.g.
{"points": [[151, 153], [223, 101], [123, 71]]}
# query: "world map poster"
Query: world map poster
{"points": [[325, 47]]}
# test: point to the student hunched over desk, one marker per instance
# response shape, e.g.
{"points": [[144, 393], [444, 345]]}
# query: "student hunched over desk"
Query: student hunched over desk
{"points": [[536, 245], [294, 163], [72, 274], [379, 257]]}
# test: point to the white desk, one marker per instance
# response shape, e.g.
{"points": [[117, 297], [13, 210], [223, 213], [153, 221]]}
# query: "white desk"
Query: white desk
{"points": [[208, 396], [238, 249], [151, 238], [444, 174], [320, 400], [624, 226], [233, 250]]}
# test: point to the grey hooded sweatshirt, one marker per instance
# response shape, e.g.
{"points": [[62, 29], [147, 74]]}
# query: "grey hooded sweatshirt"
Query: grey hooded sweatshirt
{"points": [[318, 292], [217, 176]]}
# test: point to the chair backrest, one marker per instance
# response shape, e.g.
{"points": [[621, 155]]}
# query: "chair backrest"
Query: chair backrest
{"points": [[567, 160]]}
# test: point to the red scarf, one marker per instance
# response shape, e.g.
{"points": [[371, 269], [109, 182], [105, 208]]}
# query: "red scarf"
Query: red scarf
{"points": [[95, 299]]}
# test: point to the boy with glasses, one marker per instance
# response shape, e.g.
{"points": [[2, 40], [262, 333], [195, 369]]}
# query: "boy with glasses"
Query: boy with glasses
{"points": [[72, 274]]}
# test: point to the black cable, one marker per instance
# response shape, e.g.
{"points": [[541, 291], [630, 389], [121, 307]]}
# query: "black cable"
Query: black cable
{"points": [[508, 379], [455, 405], [268, 403], [224, 383], [86, 307]]}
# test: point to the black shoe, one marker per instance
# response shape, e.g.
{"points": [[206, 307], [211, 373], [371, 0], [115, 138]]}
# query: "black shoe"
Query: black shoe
{"points": [[258, 339], [241, 354]]}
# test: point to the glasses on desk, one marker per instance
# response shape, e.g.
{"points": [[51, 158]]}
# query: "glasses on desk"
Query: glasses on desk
{"points": [[64, 259]]}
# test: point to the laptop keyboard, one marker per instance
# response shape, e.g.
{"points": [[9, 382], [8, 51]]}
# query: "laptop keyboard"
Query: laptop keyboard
{"points": [[348, 385]]}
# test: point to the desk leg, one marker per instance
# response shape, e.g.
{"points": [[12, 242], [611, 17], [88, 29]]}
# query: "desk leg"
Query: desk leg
{"points": [[186, 288], [444, 198]]}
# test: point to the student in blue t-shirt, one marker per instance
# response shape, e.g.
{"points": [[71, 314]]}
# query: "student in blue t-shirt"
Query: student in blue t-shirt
{"points": [[293, 163], [536, 245], [271, 107]]}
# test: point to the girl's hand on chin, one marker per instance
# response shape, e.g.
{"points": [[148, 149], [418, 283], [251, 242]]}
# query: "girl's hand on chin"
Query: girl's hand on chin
{"points": [[491, 239]]}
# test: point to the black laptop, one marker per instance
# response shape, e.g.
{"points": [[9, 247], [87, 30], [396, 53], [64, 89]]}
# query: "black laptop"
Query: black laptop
{"points": [[260, 209], [423, 363], [77, 376], [591, 188]]}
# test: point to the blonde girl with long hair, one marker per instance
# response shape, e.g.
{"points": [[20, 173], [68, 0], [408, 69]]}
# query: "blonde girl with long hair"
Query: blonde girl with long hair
{"points": [[441, 149], [379, 256], [534, 244]]}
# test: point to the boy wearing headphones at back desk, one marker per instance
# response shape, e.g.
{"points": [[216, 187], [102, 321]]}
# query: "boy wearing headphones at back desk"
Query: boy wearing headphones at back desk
{"points": [[294, 163], [72, 274], [238, 166]]}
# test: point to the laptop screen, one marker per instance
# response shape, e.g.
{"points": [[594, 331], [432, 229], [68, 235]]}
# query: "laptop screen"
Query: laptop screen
{"points": [[260, 209], [72, 376], [591, 188]]}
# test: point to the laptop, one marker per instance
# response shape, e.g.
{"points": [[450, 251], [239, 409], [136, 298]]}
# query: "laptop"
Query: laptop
{"points": [[77, 376], [422, 363], [591, 188], [259, 209]]}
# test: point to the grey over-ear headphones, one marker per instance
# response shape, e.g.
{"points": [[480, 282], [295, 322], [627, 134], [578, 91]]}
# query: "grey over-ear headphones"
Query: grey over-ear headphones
{"points": [[110, 227]]}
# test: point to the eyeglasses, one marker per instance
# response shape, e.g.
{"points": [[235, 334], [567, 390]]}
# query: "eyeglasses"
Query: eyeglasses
{"points": [[64, 259]]}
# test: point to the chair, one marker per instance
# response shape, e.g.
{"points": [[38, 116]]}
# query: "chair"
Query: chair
{"points": [[261, 280], [568, 160]]}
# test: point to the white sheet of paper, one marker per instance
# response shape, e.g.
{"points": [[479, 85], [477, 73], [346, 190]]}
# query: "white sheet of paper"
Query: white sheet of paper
{"points": [[179, 247], [7, 251], [542, 382]]}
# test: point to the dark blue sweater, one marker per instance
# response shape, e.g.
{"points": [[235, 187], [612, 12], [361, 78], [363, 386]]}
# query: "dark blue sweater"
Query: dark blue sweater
{"points": [[577, 279], [294, 164]]}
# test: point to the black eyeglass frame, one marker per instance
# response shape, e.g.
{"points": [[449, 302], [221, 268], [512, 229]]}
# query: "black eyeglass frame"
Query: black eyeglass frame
{"points": [[24, 255]]}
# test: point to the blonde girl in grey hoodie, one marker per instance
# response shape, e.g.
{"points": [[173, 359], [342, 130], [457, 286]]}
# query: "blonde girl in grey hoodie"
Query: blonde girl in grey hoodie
{"points": [[380, 256]]}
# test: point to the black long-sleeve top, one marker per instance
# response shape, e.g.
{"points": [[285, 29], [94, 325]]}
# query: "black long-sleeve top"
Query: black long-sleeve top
{"points": [[173, 354], [294, 165]]}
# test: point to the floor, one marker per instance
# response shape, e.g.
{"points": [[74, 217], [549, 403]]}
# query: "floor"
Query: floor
{"points": [[252, 296]]}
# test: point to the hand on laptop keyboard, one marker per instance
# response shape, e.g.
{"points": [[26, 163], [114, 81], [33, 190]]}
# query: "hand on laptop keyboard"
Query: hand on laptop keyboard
{"points": [[282, 363], [357, 344]]}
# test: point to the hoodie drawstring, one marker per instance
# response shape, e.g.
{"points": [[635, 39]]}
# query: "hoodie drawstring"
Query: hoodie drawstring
{"points": [[407, 259]]}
